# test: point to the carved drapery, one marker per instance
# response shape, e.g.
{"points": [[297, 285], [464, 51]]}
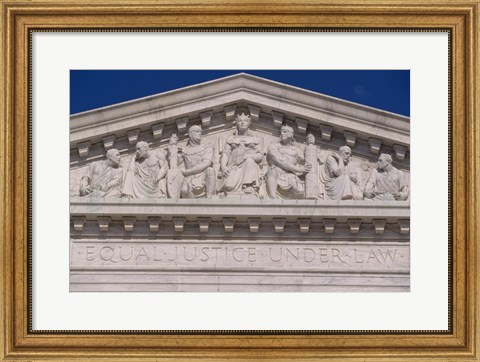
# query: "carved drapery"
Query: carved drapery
{"points": [[248, 166]]}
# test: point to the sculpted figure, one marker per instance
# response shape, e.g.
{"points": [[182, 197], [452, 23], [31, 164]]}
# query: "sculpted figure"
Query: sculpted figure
{"points": [[336, 180], [198, 177], [386, 182], [285, 163], [359, 174], [312, 179], [146, 173], [239, 163], [104, 178]]}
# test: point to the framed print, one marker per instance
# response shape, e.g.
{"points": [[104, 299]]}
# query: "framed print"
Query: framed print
{"points": [[213, 180], [287, 220]]}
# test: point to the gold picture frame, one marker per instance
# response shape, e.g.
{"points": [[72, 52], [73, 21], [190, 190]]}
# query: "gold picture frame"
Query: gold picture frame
{"points": [[19, 342]]}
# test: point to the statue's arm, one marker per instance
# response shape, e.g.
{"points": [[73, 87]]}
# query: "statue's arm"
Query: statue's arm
{"points": [[85, 181], [404, 188], [162, 164], [280, 161], [335, 164], [115, 181], [206, 162], [227, 150], [301, 155], [258, 156]]}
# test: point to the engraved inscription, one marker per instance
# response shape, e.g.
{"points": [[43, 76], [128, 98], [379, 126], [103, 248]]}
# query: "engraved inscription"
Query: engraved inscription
{"points": [[223, 256]]}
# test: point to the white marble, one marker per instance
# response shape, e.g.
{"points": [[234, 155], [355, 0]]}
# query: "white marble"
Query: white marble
{"points": [[239, 184]]}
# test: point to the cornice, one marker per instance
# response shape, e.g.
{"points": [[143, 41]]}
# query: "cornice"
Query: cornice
{"points": [[269, 98]]}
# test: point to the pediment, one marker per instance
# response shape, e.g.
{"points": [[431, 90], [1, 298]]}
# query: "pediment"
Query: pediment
{"points": [[214, 104]]}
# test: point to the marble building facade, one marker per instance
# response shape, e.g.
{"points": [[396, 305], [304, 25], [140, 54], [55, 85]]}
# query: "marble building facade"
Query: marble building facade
{"points": [[239, 184]]}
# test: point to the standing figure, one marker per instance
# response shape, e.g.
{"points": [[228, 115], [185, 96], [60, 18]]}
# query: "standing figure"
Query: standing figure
{"points": [[104, 178], [239, 163], [387, 182], [285, 163], [146, 173], [334, 176], [198, 177], [311, 177]]}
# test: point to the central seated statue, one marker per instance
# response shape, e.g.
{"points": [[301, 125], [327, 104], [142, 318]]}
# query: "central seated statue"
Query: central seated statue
{"points": [[239, 164]]}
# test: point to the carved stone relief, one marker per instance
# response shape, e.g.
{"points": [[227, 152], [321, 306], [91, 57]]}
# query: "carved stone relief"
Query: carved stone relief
{"points": [[386, 182], [339, 181], [145, 176], [286, 164], [246, 164], [198, 177], [103, 178], [239, 164]]}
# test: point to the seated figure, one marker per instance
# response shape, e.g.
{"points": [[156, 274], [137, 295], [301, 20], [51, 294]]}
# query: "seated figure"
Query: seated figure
{"points": [[198, 177], [386, 182], [337, 181], [285, 163], [104, 178], [145, 175], [239, 163]]}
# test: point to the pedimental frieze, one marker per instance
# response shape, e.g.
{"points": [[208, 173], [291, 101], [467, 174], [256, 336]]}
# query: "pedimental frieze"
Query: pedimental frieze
{"points": [[239, 159]]}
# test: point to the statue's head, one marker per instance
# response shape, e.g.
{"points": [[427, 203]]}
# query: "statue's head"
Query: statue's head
{"points": [[286, 133], [243, 121], [142, 149], [194, 129], [345, 152], [113, 155], [384, 161], [195, 133]]}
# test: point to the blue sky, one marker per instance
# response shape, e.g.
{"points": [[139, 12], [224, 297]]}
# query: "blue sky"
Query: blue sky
{"points": [[385, 89]]}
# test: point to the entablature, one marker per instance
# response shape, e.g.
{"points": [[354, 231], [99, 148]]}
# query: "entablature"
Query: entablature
{"points": [[224, 216]]}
